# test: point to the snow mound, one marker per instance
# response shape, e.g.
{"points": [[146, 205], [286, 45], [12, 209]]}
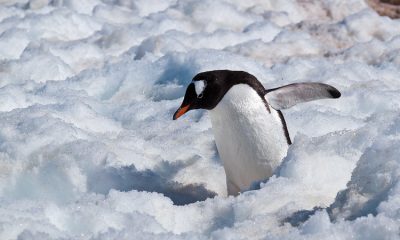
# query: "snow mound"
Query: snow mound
{"points": [[88, 148]]}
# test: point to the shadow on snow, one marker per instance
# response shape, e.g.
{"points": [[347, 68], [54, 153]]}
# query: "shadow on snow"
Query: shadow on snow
{"points": [[129, 178]]}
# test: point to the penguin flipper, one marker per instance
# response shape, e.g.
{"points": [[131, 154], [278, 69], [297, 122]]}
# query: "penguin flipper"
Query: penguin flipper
{"points": [[289, 95]]}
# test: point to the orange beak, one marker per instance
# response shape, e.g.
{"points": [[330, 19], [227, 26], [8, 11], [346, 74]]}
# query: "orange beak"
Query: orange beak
{"points": [[181, 111]]}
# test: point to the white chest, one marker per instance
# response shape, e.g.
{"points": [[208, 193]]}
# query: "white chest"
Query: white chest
{"points": [[250, 140]]}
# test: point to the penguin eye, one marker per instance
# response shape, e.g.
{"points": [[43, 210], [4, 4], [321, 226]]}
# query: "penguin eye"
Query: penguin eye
{"points": [[200, 95]]}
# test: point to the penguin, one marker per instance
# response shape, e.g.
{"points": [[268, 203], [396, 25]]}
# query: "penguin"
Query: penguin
{"points": [[250, 131]]}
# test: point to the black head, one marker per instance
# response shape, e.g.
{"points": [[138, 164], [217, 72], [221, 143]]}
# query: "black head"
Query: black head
{"points": [[208, 88]]}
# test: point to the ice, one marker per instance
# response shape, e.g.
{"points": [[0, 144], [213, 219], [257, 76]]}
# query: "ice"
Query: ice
{"points": [[88, 148]]}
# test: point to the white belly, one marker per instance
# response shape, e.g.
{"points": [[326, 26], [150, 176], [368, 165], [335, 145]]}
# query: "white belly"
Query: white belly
{"points": [[251, 141]]}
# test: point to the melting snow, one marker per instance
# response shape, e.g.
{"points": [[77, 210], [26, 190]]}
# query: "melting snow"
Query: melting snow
{"points": [[88, 148]]}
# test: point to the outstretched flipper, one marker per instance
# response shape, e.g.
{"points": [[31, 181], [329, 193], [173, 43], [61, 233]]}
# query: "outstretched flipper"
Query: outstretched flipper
{"points": [[287, 96]]}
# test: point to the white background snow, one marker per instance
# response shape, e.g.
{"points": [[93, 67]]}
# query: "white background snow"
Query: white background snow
{"points": [[88, 148]]}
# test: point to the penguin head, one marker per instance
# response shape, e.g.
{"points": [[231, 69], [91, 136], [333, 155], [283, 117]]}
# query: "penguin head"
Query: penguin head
{"points": [[204, 92], [208, 88]]}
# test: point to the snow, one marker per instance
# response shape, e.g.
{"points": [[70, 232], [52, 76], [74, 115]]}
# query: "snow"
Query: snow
{"points": [[88, 148]]}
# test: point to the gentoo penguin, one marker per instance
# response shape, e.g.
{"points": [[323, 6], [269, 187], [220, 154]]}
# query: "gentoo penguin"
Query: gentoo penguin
{"points": [[249, 128]]}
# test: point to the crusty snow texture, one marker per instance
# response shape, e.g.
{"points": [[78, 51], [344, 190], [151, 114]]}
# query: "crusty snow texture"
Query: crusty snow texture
{"points": [[88, 148]]}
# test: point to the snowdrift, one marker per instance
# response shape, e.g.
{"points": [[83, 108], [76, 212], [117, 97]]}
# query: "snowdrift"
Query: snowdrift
{"points": [[88, 148]]}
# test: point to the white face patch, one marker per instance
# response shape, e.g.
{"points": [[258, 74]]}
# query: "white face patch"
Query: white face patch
{"points": [[199, 87]]}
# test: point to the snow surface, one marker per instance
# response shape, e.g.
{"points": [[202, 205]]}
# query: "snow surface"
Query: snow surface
{"points": [[88, 148]]}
